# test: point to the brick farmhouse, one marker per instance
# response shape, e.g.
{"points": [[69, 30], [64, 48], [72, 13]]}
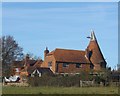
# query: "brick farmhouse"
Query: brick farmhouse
{"points": [[62, 61], [74, 61]]}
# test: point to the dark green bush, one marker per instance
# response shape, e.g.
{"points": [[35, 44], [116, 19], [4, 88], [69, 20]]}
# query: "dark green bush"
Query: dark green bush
{"points": [[65, 81]]}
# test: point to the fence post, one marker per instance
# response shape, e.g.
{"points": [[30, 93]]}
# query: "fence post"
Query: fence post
{"points": [[80, 83]]}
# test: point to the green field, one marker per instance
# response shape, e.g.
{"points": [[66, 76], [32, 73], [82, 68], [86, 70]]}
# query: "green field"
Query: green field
{"points": [[59, 90]]}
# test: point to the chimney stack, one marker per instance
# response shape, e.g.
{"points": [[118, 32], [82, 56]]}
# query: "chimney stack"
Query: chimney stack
{"points": [[46, 52]]}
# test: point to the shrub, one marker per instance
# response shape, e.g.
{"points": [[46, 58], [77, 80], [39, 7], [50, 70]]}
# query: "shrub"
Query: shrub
{"points": [[46, 80]]}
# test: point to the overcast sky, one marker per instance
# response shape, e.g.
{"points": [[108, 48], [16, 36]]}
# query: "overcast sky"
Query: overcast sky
{"points": [[62, 25]]}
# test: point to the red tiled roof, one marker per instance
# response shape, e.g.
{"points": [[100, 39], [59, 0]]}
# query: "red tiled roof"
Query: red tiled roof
{"points": [[97, 55], [31, 62], [18, 64], [38, 63], [73, 56]]}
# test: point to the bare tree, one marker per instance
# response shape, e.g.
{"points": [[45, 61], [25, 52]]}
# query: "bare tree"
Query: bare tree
{"points": [[10, 51], [32, 56]]}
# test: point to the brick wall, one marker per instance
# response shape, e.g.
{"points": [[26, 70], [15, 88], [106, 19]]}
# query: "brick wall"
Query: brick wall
{"points": [[48, 59], [58, 67], [97, 56]]}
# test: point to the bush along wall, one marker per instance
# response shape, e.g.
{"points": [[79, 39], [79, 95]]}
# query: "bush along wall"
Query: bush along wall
{"points": [[63, 81]]}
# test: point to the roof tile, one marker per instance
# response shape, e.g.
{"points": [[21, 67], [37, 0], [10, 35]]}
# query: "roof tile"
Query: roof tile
{"points": [[66, 55]]}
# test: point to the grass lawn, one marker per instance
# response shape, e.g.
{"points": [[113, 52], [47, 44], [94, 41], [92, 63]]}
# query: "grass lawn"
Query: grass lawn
{"points": [[59, 90]]}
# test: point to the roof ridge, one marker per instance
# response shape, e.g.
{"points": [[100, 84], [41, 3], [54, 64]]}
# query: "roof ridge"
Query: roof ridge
{"points": [[67, 49]]}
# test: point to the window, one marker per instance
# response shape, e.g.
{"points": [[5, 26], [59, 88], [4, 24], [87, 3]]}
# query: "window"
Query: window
{"points": [[78, 65], [50, 64], [57, 66], [65, 64]]}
